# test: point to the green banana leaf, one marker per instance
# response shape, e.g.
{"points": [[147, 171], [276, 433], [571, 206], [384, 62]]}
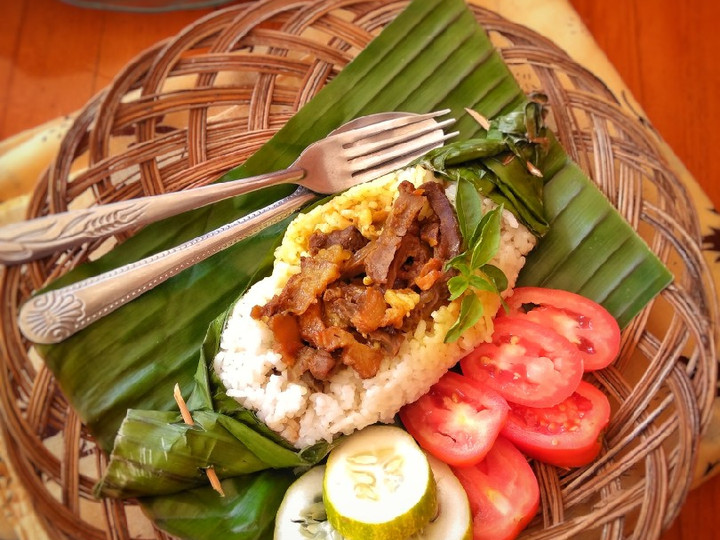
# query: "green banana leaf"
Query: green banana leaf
{"points": [[180, 453], [591, 251], [433, 55], [246, 512]]}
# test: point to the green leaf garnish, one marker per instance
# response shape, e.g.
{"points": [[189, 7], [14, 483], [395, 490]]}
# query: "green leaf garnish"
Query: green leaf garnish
{"points": [[468, 204], [471, 309], [482, 284], [474, 273], [497, 276], [486, 239], [457, 285]]}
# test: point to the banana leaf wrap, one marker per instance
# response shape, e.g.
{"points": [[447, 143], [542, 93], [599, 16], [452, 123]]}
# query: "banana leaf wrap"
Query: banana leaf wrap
{"points": [[433, 55], [157, 453]]}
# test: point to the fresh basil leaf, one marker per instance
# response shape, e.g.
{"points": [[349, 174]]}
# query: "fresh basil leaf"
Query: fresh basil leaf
{"points": [[459, 263], [486, 238], [457, 285], [495, 275], [481, 284], [471, 309], [469, 209]]}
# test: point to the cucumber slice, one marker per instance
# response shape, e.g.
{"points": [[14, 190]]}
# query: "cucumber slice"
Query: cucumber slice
{"points": [[302, 514], [378, 485], [454, 519]]}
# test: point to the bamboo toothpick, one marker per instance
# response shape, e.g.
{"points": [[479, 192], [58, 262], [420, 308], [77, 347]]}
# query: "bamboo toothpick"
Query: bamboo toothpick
{"points": [[188, 419], [214, 480], [184, 411], [479, 118]]}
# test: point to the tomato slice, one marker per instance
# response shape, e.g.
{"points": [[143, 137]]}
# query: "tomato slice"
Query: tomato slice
{"points": [[457, 421], [585, 323], [502, 490], [525, 363], [566, 435]]}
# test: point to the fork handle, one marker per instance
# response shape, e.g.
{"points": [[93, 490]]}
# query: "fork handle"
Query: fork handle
{"points": [[32, 239], [56, 315]]}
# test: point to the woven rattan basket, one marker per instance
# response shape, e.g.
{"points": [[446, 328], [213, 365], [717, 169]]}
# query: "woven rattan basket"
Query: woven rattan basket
{"points": [[172, 121]]}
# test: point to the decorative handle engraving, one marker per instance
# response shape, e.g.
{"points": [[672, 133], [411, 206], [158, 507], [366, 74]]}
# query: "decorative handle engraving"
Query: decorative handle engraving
{"points": [[56, 315], [28, 240], [53, 314]]}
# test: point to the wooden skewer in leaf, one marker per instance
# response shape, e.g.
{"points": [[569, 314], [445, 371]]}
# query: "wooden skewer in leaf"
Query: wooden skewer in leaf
{"points": [[188, 419]]}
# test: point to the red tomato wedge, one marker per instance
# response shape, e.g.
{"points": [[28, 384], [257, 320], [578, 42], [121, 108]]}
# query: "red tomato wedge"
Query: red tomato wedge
{"points": [[566, 435], [526, 364], [457, 421], [502, 490], [583, 322]]}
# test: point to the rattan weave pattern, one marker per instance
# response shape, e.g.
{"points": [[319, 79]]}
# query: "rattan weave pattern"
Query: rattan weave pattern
{"points": [[186, 110]]}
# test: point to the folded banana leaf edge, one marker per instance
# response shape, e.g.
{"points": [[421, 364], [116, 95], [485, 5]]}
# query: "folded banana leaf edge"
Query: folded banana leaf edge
{"points": [[120, 372]]}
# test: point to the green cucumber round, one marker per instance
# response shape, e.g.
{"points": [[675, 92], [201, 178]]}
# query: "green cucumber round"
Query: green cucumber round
{"points": [[378, 485], [302, 514]]}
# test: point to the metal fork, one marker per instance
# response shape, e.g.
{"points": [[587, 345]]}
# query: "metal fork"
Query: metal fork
{"points": [[343, 159], [55, 315]]}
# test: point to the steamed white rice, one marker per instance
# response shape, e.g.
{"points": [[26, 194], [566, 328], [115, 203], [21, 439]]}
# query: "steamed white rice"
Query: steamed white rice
{"points": [[305, 411]]}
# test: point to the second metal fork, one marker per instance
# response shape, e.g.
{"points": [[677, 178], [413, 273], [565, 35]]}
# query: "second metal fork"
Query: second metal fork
{"points": [[346, 157]]}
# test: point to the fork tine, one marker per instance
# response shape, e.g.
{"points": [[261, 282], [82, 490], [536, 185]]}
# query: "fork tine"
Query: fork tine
{"points": [[394, 137], [370, 161], [391, 163], [357, 134]]}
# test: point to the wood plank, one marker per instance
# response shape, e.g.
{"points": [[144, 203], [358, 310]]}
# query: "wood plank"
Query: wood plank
{"points": [[666, 52], [11, 24], [59, 56], [146, 30], [55, 62]]}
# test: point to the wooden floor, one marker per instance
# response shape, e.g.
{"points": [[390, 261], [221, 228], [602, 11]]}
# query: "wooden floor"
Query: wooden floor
{"points": [[666, 52], [53, 58]]}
